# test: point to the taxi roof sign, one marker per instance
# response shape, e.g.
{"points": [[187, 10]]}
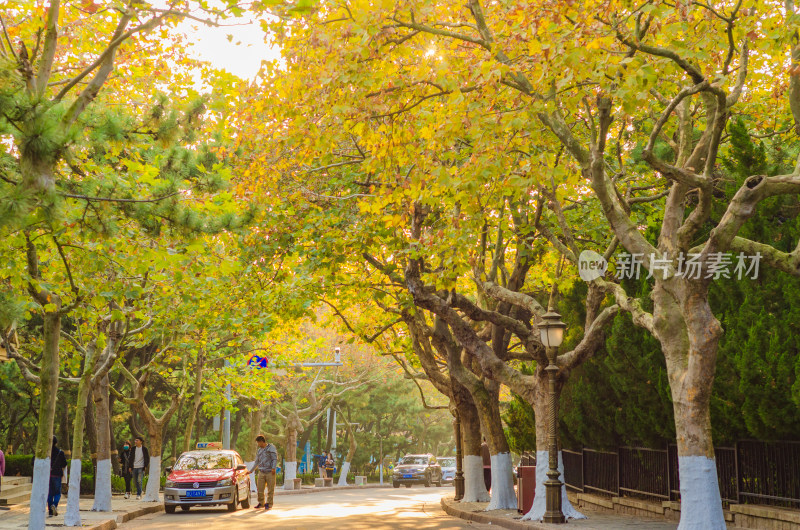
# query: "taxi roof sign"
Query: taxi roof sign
{"points": [[209, 445]]}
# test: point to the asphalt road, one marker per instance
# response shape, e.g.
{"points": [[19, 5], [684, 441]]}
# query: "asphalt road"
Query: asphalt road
{"points": [[414, 508]]}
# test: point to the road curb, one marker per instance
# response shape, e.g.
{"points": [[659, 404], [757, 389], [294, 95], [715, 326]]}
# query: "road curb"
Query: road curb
{"points": [[127, 516], [111, 524], [449, 505]]}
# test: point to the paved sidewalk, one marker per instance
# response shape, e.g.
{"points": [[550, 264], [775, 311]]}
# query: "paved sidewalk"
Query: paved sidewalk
{"points": [[127, 509], [124, 510], [474, 511]]}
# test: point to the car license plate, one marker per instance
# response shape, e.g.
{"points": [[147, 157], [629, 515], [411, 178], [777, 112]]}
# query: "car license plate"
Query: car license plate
{"points": [[407, 476], [196, 493]]}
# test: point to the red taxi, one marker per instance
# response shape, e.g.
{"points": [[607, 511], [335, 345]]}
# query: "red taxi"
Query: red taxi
{"points": [[206, 477]]}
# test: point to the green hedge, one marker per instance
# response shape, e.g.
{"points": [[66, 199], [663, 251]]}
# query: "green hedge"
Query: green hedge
{"points": [[351, 478], [117, 483], [308, 478], [22, 465], [19, 465], [87, 484]]}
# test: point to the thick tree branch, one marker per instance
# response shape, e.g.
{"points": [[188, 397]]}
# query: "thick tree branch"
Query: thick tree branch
{"points": [[522, 300], [743, 206], [441, 32], [676, 173], [692, 71], [49, 49], [592, 340]]}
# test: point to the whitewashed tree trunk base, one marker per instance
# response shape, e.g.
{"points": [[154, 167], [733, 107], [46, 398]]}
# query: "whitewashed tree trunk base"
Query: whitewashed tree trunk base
{"points": [[474, 486], [41, 486], [701, 504], [503, 496], [102, 487], [538, 508], [290, 472], [253, 488], [153, 480], [343, 474], [72, 517]]}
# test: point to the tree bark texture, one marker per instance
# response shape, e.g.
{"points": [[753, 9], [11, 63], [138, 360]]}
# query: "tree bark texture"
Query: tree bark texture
{"points": [[102, 484], [196, 401], [72, 516], [293, 424], [47, 408]]}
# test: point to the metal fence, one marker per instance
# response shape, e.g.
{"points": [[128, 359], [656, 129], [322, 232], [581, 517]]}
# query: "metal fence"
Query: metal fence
{"points": [[750, 472]]}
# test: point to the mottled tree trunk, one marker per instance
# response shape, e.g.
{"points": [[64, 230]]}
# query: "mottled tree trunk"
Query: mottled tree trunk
{"points": [[91, 427], [102, 483], [290, 461], [486, 395], [115, 464], [63, 431], [256, 418], [541, 409], [236, 429], [351, 451], [174, 442], [474, 486], [196, 400], [155, 437], [689, 334], [47, 408], [72, 517]]}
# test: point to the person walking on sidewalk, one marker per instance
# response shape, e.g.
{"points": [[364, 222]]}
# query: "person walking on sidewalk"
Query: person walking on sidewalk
{"points": [[58, 462], [141, 461], [266, 464], [126, 463], [330, 466], [2, 467]]}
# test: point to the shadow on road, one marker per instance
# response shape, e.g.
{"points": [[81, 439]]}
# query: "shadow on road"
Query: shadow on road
{"points": [[403, 509]]}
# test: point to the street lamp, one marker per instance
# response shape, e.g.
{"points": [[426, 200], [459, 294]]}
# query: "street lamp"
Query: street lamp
{"points": [[552, 334], [458, 480]]}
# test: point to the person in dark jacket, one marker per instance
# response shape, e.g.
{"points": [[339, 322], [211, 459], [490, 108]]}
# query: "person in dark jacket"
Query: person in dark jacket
{"points": [[141, 461], [58, 462], [126, 465]]}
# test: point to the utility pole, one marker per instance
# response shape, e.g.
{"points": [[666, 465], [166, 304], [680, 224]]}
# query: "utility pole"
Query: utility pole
{"points": [[380, 465], [226, 426]]}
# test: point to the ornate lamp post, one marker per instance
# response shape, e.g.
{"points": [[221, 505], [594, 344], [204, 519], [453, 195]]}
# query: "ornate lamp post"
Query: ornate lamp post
{"points": [[458, 481], [552, 333]]}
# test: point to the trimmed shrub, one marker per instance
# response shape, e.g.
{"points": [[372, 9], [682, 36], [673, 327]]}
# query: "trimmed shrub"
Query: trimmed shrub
{"points": [[87, 484], [21, 465], [308, 478], [118, 484]]}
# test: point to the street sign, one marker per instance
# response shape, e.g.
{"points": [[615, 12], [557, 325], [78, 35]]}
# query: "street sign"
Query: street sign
{"points": [[258, 362]]}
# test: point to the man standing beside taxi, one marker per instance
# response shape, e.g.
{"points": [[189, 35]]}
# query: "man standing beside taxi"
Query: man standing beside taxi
{"points": [[266, 464]]}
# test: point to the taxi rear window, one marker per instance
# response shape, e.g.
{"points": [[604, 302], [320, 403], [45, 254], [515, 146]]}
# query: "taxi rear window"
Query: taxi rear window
{"points": [[207, 461]]}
